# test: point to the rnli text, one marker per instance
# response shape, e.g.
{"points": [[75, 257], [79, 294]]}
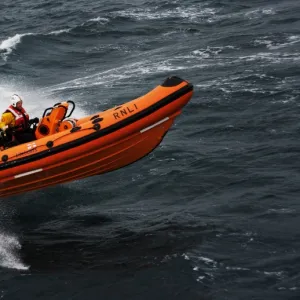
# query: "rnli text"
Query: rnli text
{"points": [[125, 111]]}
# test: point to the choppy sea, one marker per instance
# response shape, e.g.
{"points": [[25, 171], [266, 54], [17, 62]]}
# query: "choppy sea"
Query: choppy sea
{"points": [[213, 212]]}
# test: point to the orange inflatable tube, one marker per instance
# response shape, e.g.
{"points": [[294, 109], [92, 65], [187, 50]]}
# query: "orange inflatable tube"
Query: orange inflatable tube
{"points": [[67, 149]]}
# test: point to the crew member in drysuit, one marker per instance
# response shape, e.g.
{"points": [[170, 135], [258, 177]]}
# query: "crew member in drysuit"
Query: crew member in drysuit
{"points": [[15, 124]]}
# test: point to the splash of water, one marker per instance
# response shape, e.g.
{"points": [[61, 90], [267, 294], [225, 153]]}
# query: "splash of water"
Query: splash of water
{"points": [[31, 98], [35, 102], [9, 245]]}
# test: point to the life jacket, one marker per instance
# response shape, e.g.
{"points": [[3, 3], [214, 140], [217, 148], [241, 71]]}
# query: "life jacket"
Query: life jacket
{"points": [[21, 118]]}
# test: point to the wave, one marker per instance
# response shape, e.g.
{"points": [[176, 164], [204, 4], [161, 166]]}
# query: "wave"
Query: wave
{"points": [[273, 45], [261, 12], [7, 46], [271, 57], [195, 13], [212, 51], [60, 31], [119, 74], [192, 13], [10, 44], [270, 85], [101, 20], [197, 59]]}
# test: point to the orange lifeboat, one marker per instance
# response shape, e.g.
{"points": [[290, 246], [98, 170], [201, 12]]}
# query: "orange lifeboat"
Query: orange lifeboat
{"points": [[68, 149]]}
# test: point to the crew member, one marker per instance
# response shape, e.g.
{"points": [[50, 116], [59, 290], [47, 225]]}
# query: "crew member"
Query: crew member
{"points": [[15, 123]]}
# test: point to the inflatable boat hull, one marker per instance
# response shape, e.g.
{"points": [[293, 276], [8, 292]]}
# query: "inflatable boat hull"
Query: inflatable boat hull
{"points": [[98, 144]]}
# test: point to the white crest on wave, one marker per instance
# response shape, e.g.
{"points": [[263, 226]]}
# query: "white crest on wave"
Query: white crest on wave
{"points": [[192, 13], [100, 20], [10, 43], [57, 32]]}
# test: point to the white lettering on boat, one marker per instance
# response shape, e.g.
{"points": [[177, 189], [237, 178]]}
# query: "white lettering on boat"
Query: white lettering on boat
{"points": [[124, 112]]}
